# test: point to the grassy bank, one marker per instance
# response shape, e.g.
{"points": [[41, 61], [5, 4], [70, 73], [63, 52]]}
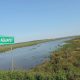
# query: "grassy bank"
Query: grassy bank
{"points": [[64, 64], [4, 48]]}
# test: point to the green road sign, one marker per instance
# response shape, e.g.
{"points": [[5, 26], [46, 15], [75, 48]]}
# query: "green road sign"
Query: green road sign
{"points": [[6, 40]]}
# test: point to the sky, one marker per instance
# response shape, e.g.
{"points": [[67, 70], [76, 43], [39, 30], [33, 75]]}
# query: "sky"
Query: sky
{"points": [[28, 20]]}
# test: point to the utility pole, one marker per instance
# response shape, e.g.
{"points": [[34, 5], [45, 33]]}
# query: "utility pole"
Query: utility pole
{"points": [[12, 61]]}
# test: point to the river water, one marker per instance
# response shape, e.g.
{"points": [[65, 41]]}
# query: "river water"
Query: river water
{"points": [[28, 57]]}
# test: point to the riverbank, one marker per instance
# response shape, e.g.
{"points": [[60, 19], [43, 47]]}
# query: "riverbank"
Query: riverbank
{"points": [[4, 48], [64, 64]]}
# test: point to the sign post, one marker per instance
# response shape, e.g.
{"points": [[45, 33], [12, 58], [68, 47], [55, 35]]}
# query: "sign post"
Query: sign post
{"points": [[6, 40]]}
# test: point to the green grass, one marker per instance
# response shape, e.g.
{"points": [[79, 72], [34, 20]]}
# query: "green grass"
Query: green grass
{"points": [[4, 48], [64, 64]]}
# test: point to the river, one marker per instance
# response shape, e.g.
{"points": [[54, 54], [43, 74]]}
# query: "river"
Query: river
{"points": [[28, 57]]}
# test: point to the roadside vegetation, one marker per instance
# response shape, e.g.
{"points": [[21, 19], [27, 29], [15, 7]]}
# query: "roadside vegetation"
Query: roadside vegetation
{"points": [[64, 64]]}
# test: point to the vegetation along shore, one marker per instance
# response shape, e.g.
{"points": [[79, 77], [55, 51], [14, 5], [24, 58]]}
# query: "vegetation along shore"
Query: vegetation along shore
{"points": [[64, 64], [4, 48]]}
